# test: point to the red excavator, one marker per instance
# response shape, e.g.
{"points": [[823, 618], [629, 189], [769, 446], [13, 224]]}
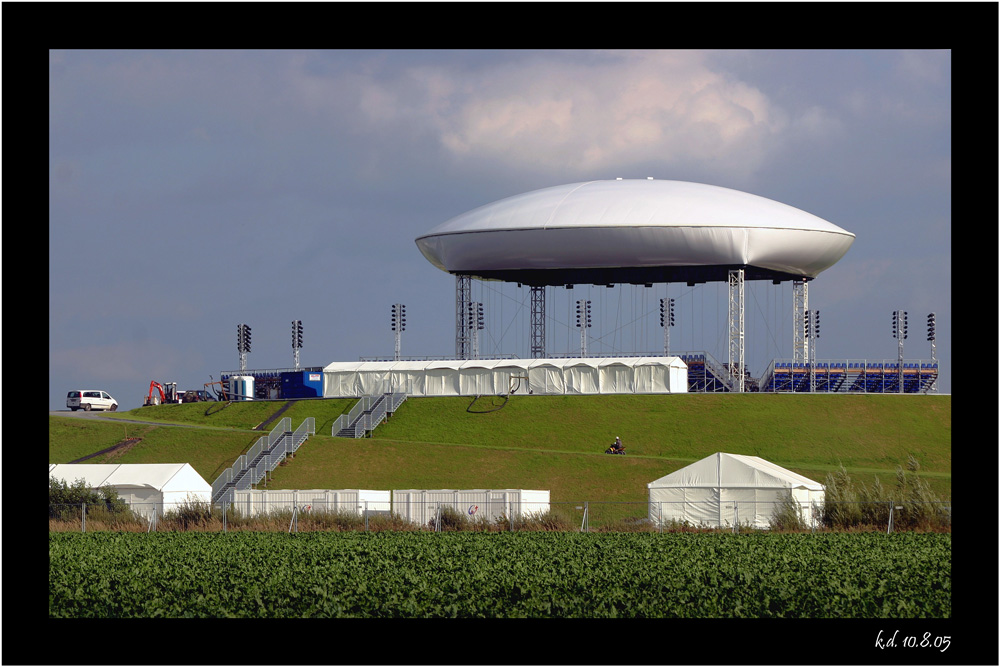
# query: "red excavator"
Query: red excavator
{"points": [[165, 393]]}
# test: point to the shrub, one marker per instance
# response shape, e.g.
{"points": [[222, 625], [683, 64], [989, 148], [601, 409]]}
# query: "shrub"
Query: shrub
{"points": [[545, 521], [849, 507], [922, 509], [841, 508], [65, 499], [192, 514], [449, 519], [787, 515]]}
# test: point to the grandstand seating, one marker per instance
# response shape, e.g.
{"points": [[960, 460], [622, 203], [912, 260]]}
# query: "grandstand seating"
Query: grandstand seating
{"points": [[879, 377]]}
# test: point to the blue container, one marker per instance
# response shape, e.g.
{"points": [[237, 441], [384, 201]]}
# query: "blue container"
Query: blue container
{"points": [[302, 384]]}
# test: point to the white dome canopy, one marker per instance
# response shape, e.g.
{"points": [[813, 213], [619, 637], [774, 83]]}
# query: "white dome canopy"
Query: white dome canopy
{"points": [[634, 231]]}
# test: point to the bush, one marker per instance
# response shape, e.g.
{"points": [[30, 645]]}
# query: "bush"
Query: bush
{"points": [[450, 519], [65, 499], [544, 521], [787, 515], [192, 514]]}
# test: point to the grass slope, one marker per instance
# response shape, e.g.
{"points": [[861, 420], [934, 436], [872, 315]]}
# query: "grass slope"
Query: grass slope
{"points": [[545, 442]]}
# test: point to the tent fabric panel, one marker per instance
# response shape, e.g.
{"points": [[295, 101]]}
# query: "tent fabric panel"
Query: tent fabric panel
{"points": [[582, 379], [178, 499], [616, 378], [787, 476], [701, 506], [696, 506], [185, 480], [493, 376], [442, 381], [476, 381], [546, 379]]}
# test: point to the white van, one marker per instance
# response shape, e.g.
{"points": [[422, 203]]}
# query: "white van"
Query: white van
{"points": [[90, 399]]}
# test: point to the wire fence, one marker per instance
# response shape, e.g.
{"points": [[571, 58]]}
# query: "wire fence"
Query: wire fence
{"points": [[587, 516]]}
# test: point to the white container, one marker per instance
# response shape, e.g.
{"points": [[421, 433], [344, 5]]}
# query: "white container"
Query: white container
{"points": [[421, 505], [252, 502], [241, 387]]}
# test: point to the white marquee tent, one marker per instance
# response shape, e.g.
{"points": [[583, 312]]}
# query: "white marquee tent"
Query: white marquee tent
{"points": [[724, 489], [486, 377], [144, 486]]}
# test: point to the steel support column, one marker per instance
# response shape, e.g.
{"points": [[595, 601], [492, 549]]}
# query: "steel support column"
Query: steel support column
{"points": [[463, 300], [537, 321], [736, 330]]}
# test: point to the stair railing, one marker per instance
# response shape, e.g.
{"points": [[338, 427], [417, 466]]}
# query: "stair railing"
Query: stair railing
{"points": [[367, 413], [263, 457]]}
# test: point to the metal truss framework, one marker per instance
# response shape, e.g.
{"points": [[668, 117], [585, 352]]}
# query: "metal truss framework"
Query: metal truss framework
{"points": [[538, 321], [736, 330], [463, 306]]}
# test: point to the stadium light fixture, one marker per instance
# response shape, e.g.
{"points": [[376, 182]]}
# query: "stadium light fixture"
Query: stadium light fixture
{"points": [[583, 323]]}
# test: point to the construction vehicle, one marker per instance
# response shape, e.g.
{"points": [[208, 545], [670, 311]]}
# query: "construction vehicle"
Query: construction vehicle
{"points": [[165, 393]]}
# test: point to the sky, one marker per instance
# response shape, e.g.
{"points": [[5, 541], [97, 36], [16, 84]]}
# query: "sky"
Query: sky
{"points": [[192, 191]]}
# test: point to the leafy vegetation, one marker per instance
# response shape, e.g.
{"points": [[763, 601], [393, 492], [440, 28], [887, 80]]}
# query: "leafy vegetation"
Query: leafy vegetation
{"points": [[63, 495], [499, 575]]}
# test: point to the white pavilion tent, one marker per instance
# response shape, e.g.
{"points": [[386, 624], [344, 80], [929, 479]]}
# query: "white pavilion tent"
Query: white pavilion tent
{"points": [[485, 377], [144, 486], [725, 489]]}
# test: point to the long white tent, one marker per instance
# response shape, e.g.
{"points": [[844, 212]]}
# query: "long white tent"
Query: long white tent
{"points": [[494, 377], [144, 486], [727, 489]]}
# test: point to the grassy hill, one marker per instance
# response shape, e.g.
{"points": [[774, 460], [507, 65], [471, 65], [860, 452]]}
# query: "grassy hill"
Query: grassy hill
{"points": [[540, 442]]}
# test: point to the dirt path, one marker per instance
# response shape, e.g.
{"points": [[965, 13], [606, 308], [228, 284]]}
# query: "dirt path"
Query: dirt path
{"points": [[115, 450]]}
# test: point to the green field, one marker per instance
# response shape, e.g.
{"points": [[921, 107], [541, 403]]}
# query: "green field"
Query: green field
{"points": [[541, 442]]}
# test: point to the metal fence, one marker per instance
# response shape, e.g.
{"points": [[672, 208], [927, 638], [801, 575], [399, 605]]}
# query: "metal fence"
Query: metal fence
{"points": [[320, 514]]}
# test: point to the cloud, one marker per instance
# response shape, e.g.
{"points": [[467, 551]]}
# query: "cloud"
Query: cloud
{"points": [[634, 109], [549, 111]]}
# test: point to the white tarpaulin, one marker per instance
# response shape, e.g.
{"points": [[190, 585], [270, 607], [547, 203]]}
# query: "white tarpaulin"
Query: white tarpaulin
{"points": [[494, 377], [144, 486], [724, 489]]}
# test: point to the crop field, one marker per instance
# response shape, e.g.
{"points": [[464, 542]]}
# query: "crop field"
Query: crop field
{"points": [[507, 575]]}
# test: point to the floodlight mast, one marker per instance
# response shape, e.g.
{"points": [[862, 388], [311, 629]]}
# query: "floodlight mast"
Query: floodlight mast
{"points": [[932, 337], [899, 332], [475, 325], [398, 326], [666, 321], [800, 303], [583, 323], [296, 341], [811, 334], [243, 344]]}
